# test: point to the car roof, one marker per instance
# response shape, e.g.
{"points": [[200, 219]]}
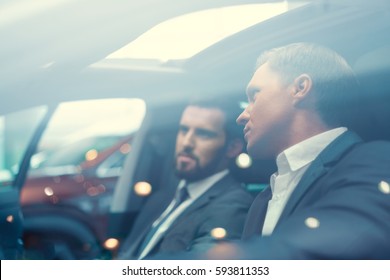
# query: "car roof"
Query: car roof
{"points": [[82, 72], [73, 35]]}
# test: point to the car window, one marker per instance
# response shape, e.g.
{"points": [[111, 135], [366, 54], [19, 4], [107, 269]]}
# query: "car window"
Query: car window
{"points": [[113, 164], [74, 172], [73, 153], [16, 131], [79, 131]]}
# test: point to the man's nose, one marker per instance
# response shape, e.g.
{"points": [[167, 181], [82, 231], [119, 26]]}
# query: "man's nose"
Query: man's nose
{"points": [[189, 140], [243, 117]]}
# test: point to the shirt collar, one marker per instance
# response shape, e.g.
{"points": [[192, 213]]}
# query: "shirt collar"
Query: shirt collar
{"points": [[303, 153], [196, 189]]}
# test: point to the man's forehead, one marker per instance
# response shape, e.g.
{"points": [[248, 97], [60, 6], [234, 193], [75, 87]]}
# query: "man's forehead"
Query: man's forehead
{"points": [[263, 69], [193, 111], [263, 73], [253, 81], [202, 116]]}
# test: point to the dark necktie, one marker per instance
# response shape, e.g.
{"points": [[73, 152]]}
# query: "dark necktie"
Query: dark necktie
{"points": [[180, 196]]}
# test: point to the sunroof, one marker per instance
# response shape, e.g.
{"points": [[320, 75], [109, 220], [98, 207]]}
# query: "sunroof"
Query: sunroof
{"points": [[184, 36]]}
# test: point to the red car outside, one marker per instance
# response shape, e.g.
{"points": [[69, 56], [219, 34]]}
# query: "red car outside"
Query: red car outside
{"points": [[76, 181]]}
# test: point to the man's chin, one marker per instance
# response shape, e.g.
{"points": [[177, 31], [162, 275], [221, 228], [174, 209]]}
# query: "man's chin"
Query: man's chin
{"points": [[258, 153]]}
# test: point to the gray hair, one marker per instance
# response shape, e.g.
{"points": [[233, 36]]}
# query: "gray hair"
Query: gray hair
{"points": [[334, 83]]}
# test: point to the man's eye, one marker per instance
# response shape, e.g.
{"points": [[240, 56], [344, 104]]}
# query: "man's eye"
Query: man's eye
{"points": [[183, 130], [205, 134], [252, 95]]}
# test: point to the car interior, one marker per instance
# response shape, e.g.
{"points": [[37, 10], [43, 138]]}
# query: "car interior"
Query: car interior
{"points": [[370, 62], [358, 30]]}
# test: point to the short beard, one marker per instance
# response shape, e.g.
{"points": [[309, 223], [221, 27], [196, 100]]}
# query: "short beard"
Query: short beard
{"points": [[194, 175], [200, 173]]}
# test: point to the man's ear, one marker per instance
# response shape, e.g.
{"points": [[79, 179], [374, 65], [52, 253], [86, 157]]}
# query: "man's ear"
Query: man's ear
{"points": [[302, 86], [234, 148]]}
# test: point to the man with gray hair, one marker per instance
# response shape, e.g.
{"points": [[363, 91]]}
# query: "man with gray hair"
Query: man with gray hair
{"points": [[330, 196]]}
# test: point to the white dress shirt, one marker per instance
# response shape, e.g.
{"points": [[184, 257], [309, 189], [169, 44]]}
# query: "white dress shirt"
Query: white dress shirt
{"points": [[292, 163], [195, 190]]}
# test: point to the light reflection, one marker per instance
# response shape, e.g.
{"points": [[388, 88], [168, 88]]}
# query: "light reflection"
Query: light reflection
{"points": [[218, 233], [10, 218], [48, 191], [125, 148], [244, 104], [91, 154], [111, 243], [188, 34], [93, 191], [143, 188], [101, 188], [312, 222], [384, 187], [48, 65], [244, 160]]}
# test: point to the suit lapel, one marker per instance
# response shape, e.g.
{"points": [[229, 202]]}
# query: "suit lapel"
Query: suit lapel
{"points": [[256, 215], [319, 167], [214, 191], [133, 248], [203, 200]]}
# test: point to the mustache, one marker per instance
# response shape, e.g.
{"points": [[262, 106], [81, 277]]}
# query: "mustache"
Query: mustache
{"points": [[187, 154]]}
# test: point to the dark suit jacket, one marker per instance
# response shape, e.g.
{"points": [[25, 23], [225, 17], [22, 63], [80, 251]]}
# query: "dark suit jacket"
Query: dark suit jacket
{"points": [[342, 191], [225, 205]]}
